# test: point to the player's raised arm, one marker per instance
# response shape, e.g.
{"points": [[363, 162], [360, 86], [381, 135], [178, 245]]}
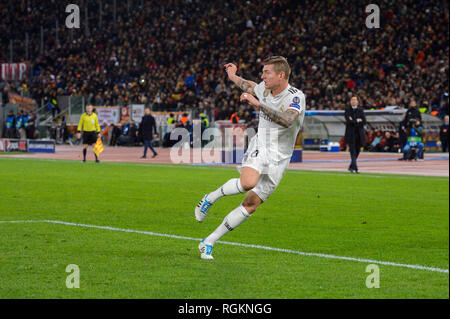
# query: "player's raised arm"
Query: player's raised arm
{"points": [[245, 85], [285, 119]]}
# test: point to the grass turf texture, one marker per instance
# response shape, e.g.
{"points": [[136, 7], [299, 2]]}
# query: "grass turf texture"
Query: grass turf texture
{"points": [[402, 219]]}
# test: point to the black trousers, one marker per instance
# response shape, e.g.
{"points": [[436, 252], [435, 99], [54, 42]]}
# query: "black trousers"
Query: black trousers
{"points": [[148, 144], [355, 149], [11, 133], [444, 145]]}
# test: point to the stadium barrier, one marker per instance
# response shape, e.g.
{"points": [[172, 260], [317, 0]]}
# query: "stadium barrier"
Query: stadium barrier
{"points": [[41, 146], [320, 126], [32, 146]]}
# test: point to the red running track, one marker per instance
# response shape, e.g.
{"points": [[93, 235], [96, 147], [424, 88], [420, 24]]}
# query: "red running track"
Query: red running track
{"points": [[435, 164]]}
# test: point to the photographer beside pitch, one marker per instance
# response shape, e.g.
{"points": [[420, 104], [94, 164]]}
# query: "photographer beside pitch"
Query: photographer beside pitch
{"points": [[90, 128], [282, 109], [415, 135]]}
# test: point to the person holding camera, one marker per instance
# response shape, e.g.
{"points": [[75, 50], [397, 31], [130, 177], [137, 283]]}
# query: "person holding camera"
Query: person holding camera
{"points": [[411, 116], [412, 113], [415, 134]]}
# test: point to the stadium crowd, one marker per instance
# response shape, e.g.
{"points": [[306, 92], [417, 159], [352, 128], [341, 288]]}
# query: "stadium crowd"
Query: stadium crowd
{"points": [[170, 54]]}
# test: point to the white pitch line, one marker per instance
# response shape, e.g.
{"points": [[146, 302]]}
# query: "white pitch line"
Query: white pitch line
{"points": [[361, 260]]}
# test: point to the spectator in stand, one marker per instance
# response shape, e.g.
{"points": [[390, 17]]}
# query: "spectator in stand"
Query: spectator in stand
{"points": [[31, 126], [110, 133], [124, 137], [370, 137], [387, 142], [396, 142], [375, 146], [104, 129], [133, 133], [64, 133], [443, 133], [250, 120], [343, 145], [121, 62], [234, 118], [117, 130]]}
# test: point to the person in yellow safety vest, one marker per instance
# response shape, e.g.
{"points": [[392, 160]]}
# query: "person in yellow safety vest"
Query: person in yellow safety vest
{"points": [[171, 119], [204, 121], [234, 118], [204, 124], [90, 128]]}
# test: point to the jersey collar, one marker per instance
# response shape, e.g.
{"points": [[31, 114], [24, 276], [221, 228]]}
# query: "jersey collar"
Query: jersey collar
{"points": [[282, 93]]}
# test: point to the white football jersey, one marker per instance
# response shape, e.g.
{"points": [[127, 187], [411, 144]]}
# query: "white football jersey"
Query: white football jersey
{"points": [[277, 140]]}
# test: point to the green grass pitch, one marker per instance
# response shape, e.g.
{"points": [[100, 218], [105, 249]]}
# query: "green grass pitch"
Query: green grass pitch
{"points": [[401, 219]]}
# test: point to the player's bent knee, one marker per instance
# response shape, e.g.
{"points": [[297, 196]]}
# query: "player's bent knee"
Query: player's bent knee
{"points": [[248, 185], [249, 178]]}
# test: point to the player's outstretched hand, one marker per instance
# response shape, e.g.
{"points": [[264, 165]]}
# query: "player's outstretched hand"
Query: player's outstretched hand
{"points": [[231, 69], [250, 99]]}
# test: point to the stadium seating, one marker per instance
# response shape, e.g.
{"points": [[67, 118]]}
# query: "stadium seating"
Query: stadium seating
{"points": [[171, 53]]}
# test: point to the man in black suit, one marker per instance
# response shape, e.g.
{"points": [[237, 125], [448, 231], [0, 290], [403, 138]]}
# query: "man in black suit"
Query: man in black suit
{"points": [[146, 130], [354, 131]]}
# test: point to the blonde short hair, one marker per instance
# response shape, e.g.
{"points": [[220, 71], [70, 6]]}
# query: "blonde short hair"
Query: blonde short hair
{"points": [[280, 64]]}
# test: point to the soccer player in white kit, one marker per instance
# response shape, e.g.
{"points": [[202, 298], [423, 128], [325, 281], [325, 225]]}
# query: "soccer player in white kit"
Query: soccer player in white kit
{"points": [[282, 109]]}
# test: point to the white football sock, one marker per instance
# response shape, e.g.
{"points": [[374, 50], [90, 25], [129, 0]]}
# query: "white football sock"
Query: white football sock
{"points": [[232, 187], [230, 222]]}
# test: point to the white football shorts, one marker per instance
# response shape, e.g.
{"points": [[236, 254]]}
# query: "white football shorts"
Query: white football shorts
{"points": [[271, 172]]}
